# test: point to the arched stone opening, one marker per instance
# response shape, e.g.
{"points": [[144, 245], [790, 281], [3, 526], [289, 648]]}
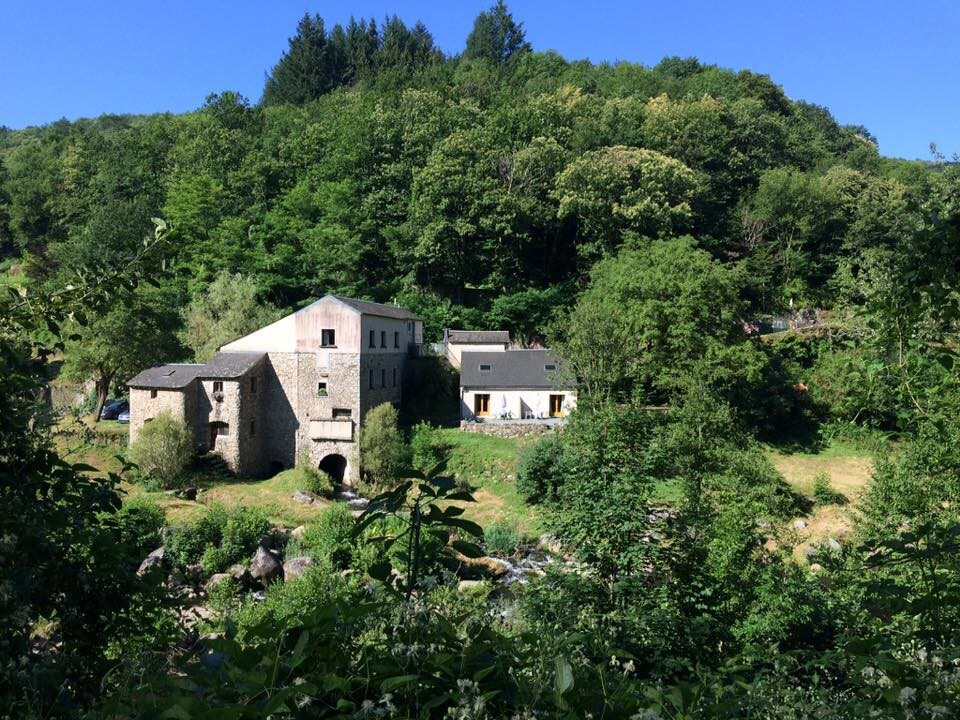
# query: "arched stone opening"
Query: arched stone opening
{"points": [[335, 466]]}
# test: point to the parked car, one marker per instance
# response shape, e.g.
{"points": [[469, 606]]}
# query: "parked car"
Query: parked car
{"points": [[124, 417], [113, 408]]}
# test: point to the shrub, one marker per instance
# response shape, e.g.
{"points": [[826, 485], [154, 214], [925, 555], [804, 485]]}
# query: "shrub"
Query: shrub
{"points": [[823, 493], [501, 538], [163, 449], [382, 451], [186, 544], [329, 537], [427, 447], [317, 481], [215, 559], [244, 530], [314, 480], [538, 469], [223, 597], [140, 524], [218, 538]]}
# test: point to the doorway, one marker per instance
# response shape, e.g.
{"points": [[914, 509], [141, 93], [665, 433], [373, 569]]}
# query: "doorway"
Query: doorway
{"points": [[481, 405], [216, 430], [556, 405]]}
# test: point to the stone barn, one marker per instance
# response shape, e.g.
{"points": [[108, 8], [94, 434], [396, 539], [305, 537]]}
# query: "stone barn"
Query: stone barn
{"points": [[297, 388]]}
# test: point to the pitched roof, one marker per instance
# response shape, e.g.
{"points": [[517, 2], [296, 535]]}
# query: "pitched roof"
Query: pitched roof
{"points": [[176, 376], [380, 309], [509, 369], [478, 337], [173, 376], [230, 364]]}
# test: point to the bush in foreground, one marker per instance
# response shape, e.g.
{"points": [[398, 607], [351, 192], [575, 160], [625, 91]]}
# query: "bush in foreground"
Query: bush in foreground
{"points": [[163, 450]]}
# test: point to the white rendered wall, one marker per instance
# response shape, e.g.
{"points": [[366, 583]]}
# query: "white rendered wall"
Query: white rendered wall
{"points": [[538, 401]]}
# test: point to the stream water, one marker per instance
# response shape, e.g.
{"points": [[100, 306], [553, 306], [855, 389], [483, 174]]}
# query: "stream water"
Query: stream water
{"points": [[354, 501]]}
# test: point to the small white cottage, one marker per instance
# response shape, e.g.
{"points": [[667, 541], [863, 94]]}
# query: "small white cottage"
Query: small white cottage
{"points": [[513, 385]]}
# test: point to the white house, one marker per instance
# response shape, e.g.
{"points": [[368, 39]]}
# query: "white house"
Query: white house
{"points": [[513, 384]]}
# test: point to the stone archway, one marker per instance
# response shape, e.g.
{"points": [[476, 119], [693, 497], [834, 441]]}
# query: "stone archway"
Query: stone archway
{"points": [[335, 466]]}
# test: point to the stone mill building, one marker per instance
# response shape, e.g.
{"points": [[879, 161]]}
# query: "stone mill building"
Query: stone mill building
{"points": [[297, 387]]}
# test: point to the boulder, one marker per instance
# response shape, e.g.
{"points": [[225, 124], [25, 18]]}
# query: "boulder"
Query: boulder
{"points": [[216, 580], [799, 524], [832, 545], [295, 567], [240, 573], [265, 567], [298, 532], [151, 561], [189, 493], [469, 585], [303, 497]]}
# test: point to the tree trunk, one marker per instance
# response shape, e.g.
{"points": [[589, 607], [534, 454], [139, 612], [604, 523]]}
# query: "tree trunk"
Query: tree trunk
{"points": [[103, 389]]}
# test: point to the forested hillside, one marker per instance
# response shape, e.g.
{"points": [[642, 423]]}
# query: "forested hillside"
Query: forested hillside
{"points": [[479, 189], [644, 221]]}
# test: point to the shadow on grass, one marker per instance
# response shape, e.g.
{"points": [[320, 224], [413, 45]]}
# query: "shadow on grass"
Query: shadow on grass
{"points": [[803, 437]]}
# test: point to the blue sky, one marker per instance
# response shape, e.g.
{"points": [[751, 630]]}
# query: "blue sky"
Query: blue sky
{"points": [[889, 65]]}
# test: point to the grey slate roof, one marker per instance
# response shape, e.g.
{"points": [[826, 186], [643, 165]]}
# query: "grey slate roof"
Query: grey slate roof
{"points": [[518, 369], [173, 376], [478, 337], [176, 376], [230, 364], [380, 309]]}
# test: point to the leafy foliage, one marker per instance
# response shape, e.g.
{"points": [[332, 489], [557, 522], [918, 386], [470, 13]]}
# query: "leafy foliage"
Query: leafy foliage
{"points": [[163, 449], [382, 450], [226, 310]]}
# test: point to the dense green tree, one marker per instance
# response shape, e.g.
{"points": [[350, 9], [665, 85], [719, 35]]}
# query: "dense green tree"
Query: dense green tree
{"points": [[496, 36], [655, 316], [620, 189], [227, 309], [136, 332], [311, 66], [383, 454]]}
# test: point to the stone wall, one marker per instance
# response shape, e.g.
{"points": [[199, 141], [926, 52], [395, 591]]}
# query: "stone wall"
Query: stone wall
{"points": [[143, 408], [506, 429], [383, 369]]}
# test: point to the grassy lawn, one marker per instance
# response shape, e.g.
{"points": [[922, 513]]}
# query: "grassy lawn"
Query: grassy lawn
{"points": [[849, 468], [489, 465], [274, 495]]}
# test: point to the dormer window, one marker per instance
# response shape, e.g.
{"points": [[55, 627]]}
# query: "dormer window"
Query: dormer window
{"points": [[328, 338], [550, 367], [484, 367]]}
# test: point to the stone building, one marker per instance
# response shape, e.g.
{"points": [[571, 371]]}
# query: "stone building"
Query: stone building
{"points": [[297, 388], [513, 385]]}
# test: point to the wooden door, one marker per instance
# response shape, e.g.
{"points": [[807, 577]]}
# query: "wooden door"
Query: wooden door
{"points": [[556, 405], [481, 405]]}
